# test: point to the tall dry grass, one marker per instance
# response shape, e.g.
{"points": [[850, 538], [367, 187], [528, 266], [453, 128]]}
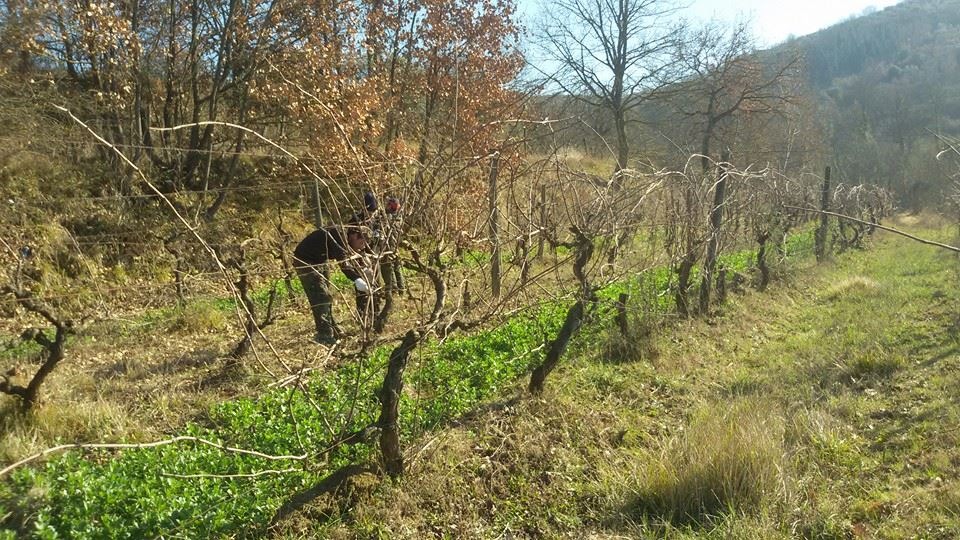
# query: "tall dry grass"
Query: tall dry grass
{"points": [[729, 459]]}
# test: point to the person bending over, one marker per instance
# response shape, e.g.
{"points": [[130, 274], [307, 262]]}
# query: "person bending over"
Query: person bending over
{"points": [[312, 258]]}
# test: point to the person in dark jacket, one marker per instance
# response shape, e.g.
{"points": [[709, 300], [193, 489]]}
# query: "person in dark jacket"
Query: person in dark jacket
{"points": [[370, 208], [312, 258]]}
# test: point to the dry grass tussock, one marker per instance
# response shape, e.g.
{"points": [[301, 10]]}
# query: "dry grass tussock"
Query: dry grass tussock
{"points": [[815, 427], [851, 286], [728, 460], [94, 421]]}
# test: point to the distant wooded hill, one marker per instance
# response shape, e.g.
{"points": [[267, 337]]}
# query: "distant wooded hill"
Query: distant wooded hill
{"points": [[916, 37], [886, 82]]}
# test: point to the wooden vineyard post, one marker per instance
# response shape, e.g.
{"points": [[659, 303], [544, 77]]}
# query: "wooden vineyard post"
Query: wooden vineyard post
{"points": [[821, 236], [494, 218]]}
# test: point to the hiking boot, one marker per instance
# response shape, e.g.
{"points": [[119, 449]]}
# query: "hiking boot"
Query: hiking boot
{"points": [[325, 339]]}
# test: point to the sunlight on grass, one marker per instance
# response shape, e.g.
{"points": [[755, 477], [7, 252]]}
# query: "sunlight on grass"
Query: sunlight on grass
{"points": [[576, 159], [200, 317], [825, 437]]}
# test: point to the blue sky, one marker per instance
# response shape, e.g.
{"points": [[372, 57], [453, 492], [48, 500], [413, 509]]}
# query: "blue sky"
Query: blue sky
{"points": [[773, 21]]}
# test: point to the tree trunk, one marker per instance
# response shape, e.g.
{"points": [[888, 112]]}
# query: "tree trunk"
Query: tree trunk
{"points": [[494, 219], [716, 222], [683, 285], [622, 319], [250, 328], [30, 394], [543, 221], [317, 207], [390, 401], [557, 347], [762, 260], [55, 353], [722, 286], [574, 319], [623, 149]]}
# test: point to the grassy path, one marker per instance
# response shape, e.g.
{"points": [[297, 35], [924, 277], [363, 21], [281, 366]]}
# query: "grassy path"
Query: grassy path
{"points": [[824, 408]]}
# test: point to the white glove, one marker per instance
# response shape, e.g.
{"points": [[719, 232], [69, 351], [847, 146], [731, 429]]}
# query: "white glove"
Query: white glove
{"points": [[361, 285]]}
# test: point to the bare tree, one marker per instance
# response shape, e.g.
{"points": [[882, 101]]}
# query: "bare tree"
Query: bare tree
{"points": [[724, 80], [610, 54], [724, 77], [596, 217]]}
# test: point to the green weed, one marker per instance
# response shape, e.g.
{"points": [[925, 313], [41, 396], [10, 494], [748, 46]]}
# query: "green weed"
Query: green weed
{"points": [[142, 493]]}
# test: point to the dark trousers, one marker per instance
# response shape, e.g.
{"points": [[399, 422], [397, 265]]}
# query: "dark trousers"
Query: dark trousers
{"points": [[316, 286], [392, 278]]}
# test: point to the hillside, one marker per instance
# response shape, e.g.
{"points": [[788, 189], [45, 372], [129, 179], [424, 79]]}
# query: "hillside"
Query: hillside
{"points": [[886, 83], [917, 35], [876, 90], [820, 408]]}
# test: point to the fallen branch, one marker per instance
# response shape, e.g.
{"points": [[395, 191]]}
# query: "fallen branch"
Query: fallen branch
{"points": [[133, 446], [229, 476]]}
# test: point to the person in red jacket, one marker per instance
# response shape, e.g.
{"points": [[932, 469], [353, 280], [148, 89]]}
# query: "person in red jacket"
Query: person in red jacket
{"points": [[312, 258]]}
